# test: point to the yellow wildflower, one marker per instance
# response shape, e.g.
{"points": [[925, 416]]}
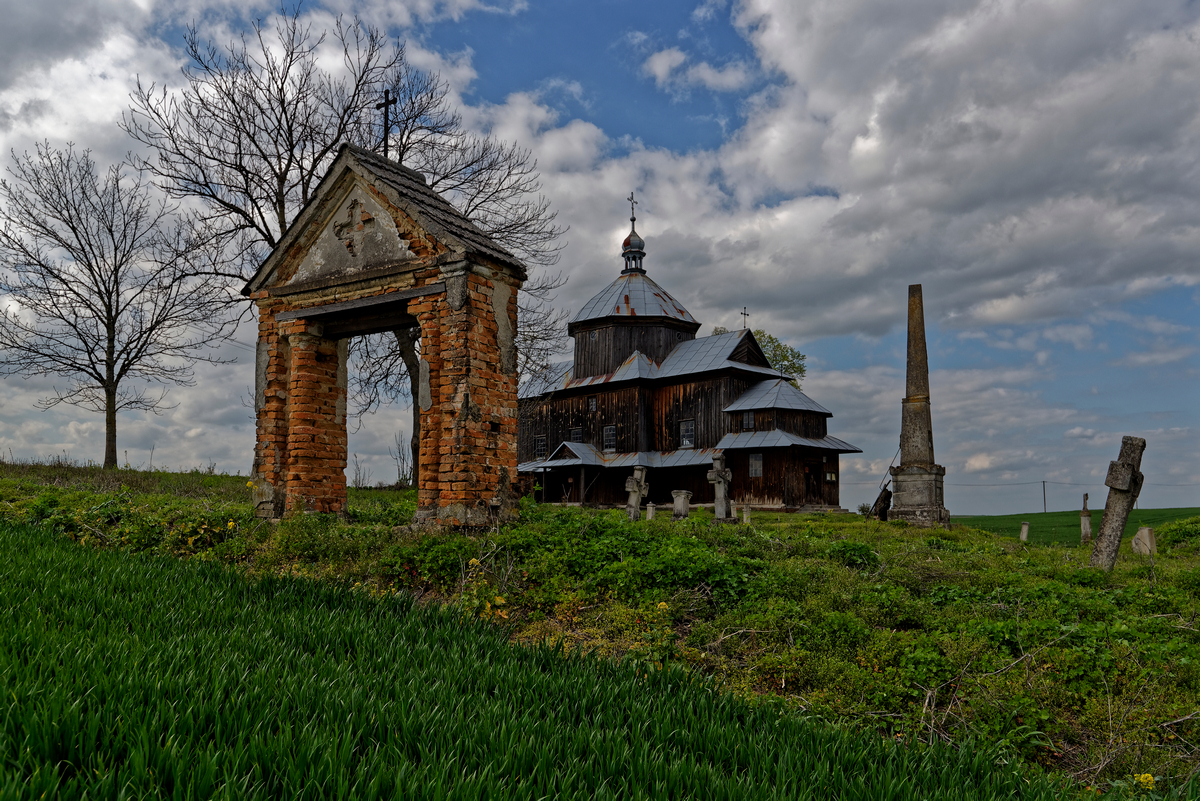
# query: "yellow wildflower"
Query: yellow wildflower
{"points": [[231, 524], [1146, 780], [663, 605], [249, 483]]}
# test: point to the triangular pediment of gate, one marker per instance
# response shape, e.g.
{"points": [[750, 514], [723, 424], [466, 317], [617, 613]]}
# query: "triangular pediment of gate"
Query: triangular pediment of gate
{"points": [[370, 215]]}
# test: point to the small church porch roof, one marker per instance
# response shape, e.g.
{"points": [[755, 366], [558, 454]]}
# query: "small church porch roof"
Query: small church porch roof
{"points": [[572, 454], [777, 394]]}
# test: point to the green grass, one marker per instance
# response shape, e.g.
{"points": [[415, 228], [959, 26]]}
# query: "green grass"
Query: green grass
{"points": [[1063, 527], [912, 635], [137, 677]]}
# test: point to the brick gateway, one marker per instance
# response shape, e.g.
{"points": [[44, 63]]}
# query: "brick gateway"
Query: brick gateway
{"points": [[377, 250]]}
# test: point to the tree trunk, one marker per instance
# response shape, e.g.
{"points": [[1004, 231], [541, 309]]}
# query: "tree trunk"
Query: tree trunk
{"points": [[110, 428], [406, 342]]}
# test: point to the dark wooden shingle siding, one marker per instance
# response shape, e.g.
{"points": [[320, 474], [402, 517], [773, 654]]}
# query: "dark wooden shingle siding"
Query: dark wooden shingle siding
{"points": [[810, 425], [701, 401], [614, 344]]}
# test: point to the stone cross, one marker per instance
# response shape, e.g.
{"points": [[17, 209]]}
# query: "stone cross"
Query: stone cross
{"points": [[719, 477], [1085, 523], [637, 488], [681, 510], [1143, 542], [1124, 484]]}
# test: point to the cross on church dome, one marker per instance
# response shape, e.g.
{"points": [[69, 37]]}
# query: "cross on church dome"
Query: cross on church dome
{"points": [[634, 247]]}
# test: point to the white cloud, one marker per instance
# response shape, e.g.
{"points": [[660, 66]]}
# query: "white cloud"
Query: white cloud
{"points": [[662, 64], [1157, 357]]}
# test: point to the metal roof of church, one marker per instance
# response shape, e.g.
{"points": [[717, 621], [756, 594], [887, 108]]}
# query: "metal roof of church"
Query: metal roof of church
{"points": [[633, 294], [782, 439], [777, 394], [692, 357]]}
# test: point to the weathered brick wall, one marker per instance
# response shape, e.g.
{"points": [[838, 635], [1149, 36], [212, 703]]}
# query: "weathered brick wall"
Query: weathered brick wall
{"points": [[468, 437]]}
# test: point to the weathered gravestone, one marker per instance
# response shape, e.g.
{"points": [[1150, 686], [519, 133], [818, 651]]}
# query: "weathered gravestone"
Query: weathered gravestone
{"points": [[681, 510], [1124, 483], [637, 488], [1143, 542], [650, 507], [720, 477], [1024, 532], [746, 514], [1085, 523]]}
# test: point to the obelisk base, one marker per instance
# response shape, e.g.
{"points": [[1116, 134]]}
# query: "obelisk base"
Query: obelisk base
{"points": [[917, 495]]}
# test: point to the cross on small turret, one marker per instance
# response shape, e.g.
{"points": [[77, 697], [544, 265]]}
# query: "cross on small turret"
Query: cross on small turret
{"points": [[632, 211], [745, 318]]}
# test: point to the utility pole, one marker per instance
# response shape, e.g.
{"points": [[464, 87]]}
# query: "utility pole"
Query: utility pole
{"points": [[388, 100], [1043, 497]]}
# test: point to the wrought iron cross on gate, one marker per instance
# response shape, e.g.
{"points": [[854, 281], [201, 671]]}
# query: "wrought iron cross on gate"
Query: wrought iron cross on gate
{"points": [[388, 100]]}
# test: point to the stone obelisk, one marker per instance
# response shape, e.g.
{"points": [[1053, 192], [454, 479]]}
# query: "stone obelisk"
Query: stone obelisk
{"points": [[917, 481]]}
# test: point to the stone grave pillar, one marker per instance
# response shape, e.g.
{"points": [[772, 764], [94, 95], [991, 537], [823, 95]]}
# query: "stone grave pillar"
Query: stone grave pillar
{"points": [[720, 477], [1125, 483], [637, 488], [1025, 532], [1144, 543], [1085, 523], [681, 509]]}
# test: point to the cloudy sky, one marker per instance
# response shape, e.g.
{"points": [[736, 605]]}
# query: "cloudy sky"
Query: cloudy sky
{"points": [[1034, 164]]}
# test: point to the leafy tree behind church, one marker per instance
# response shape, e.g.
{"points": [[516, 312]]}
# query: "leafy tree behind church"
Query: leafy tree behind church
{"points": [[783, 357]]}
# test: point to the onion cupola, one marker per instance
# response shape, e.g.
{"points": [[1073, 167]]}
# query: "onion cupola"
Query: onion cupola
{"points": [[633, 313]]}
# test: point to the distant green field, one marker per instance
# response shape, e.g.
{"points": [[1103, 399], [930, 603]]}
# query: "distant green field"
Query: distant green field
{"points": [[1063, 527]]}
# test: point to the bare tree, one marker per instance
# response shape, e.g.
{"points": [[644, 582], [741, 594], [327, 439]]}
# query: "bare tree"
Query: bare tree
{"points": [[108, 285], [257, 123]]}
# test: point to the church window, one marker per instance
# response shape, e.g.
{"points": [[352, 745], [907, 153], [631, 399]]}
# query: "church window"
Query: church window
{"points": [[539, 447], [687, 433], [592, 403], [756, 465], [831, 477], [610, 438], [747, 421], [576, 435]]}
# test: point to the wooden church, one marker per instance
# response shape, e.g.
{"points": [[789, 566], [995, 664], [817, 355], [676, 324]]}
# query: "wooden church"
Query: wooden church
{"points": [[644, 391]]}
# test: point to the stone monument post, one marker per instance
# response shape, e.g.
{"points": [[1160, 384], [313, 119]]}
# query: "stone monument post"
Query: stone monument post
{"points": [[1124, 483], [681, 510], [1144, 543], [637, 488], [1025, 532], [917, 482], [719, 477], [1085, 523]]}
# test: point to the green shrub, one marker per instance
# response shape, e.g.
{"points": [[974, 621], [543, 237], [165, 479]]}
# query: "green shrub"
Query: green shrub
{"points": [[1178, 532], [857, 555]]}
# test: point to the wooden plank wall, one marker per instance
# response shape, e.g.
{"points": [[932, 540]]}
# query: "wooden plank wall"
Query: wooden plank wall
{"points": [[701, 401], [614, 344]]}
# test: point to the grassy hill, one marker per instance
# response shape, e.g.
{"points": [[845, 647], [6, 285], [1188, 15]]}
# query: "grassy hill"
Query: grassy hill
{"points": [[127, 677], [906, 636]]}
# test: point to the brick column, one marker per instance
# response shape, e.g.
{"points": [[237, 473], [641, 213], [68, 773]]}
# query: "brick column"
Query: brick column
{"points": [[316, 423], [472, 425], [272, 365]]}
